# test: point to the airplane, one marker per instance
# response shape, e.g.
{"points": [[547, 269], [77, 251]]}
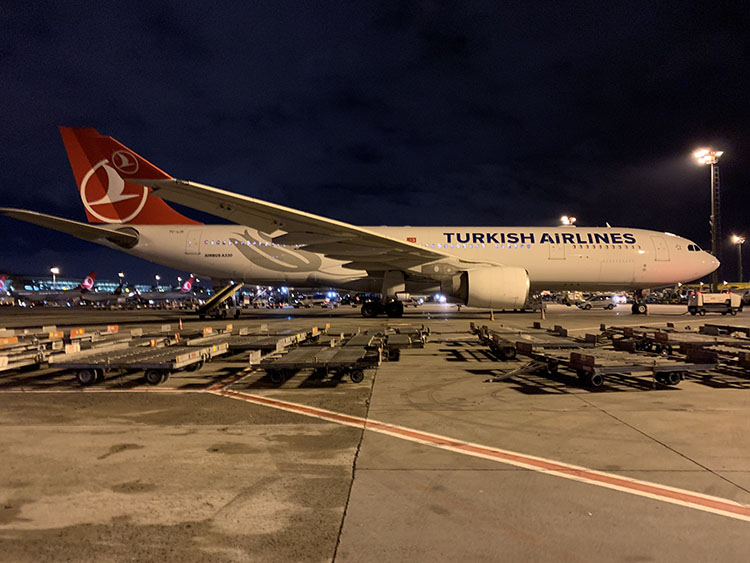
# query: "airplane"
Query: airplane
{"points": [[75, 295], [105, 298], [175, 295], [125, 198]]}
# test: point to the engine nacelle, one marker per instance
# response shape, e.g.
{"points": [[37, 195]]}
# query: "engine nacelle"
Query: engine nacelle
{"points": [[499, 287]]}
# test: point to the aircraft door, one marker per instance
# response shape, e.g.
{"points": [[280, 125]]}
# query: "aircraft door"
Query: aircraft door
{"points": [[556, 251], [660, 246], [193, 242]]}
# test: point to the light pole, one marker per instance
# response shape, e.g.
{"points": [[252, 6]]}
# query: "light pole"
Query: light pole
{"points": [[738, 242], [710, 156], [54, 271]]}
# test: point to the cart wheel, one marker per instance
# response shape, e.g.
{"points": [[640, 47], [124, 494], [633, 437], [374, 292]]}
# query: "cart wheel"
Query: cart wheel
{"points": [[702, 312], [733, 312], [276, 376], [595, 380], [196, 366], [508, 353], [394, 354], [86, 376], [356, 375], [553, 367], [164, 376], [153, 376], [674, 377], [99, 375], [660, 378]]}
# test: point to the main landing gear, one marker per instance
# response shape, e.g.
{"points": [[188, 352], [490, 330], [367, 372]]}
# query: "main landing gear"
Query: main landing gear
{"points": [[394, 309]]}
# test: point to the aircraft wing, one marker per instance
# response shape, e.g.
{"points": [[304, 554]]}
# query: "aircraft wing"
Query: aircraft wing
{"points": [[80, 230], [361, 248]]}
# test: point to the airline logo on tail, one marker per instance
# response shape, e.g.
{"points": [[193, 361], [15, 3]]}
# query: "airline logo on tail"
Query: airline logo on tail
{"points": [[187, 285], [88, 281], [106, 172], [109, 208], [2, 284]]}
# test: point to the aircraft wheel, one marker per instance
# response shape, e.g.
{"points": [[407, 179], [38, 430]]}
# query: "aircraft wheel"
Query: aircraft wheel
{"points": [[639, 308], [356, 375], [86, 376], [394, 309], [371, 309], [153, 376]]}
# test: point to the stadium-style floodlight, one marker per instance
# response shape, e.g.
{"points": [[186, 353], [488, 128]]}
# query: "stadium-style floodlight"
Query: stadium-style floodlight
{"points": [[567, 220], [55, 270], [738, 242], [707, 156], [711, 156]]}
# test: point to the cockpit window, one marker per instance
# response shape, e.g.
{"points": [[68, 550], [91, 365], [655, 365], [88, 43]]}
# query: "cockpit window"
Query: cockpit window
{"points": [[694, 248]]}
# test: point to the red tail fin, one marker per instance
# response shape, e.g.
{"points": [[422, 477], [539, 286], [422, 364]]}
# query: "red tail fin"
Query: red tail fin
{"points": [[187, 286], [2, 283], [102, 167], [88, 281]]}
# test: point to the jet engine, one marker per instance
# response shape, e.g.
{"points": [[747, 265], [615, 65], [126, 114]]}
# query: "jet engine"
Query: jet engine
{"points": [[498, 287]]}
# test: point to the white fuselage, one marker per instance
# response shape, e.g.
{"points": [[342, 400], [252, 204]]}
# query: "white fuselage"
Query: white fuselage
{"points": [[555, 257]]}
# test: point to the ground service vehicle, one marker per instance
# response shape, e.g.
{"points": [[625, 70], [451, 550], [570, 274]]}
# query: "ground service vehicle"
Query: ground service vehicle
{"points": [[597, 302], [700, 303]]}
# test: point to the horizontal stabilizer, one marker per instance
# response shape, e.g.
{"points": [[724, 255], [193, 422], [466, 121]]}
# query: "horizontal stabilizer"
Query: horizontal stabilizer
{"points": [[80, 230]]}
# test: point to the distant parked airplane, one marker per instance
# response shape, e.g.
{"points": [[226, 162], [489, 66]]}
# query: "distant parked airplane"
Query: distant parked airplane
{"points": [[51, 296]]}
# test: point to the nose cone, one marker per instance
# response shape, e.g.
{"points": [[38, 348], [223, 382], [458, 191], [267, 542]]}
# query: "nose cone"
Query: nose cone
{"points": [[709, 262]]}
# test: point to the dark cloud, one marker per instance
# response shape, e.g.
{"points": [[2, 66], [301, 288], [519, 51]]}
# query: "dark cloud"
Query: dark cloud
{"points": [[384, 112]]}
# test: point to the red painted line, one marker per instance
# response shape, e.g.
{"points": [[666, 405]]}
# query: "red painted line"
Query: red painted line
{"points": [[716, 505]]}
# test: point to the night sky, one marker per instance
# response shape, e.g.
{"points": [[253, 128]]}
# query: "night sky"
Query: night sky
{"points": [[383, 113]]}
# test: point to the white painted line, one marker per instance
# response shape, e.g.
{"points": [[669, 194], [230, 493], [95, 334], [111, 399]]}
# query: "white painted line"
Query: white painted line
{"points": [[663, 493]]}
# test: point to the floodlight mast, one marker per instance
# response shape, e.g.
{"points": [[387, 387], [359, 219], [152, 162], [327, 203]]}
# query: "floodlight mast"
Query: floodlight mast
{"points": [[710, 156], [738, 242]]}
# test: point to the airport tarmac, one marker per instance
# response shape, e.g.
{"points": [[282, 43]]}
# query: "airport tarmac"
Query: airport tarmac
{"points": [[423, 461]]}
